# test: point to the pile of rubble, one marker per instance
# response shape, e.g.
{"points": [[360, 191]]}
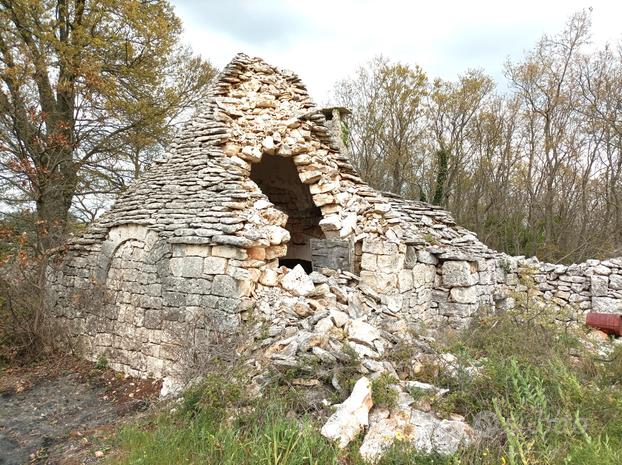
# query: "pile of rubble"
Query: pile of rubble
{"points": [[329, 318]]}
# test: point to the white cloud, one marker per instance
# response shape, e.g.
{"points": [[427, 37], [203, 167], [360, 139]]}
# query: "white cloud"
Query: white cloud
{"points": [[326, 40]]}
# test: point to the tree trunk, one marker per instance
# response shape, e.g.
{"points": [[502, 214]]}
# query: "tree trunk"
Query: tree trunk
{"points": [[56, 191]]}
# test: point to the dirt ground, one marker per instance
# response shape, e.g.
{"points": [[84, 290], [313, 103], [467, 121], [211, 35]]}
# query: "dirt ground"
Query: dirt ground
{"points": [[63, 411]]}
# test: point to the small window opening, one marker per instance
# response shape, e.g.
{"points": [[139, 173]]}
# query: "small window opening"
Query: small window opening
{"points": [[277, 177]]}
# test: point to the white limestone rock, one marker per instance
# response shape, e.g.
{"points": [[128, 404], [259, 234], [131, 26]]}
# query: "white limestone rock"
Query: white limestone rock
{"points": [[269, 278], [351, 416], [458, 273], [606, 304], [599, 284], [615, 282], [331, 223], [464, 295], [298, 282], [347, 225], [340, 319], [362, 332], [423, 430]]}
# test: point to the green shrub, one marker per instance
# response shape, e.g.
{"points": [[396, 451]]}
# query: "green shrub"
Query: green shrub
{"points": [[383, 392]]}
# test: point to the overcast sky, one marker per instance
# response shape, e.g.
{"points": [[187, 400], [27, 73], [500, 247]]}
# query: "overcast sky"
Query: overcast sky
{"points": [[327, 40]]}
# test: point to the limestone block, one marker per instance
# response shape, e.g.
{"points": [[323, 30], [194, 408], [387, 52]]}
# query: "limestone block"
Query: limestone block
{"points": [[152, 319], [372, 246], [174, 299], [363, 333], [331, 223], [411, 257], [323, 187], [269, 277], [351, 416], [230, 149], [228, 305], [602, 270], [405, 280], [187, 267], [455, 310], [214, 265], [277, 235], [379, 282], [249, 153], [606, 304], [423, 274], [225, 285], [615, 282], [256, 253], [599, 285], [229, 251], [422, 429], [390, 263], [369, 262], [267, 145], [457, 273], [275, 251], [340, 319], [324, 325], [298, 282], [464, 295], [310, 176], [426, 257], [323, 199], [196, 250], [347, 225]]}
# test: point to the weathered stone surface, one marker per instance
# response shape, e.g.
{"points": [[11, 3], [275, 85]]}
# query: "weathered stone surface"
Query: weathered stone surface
{"points": [[215, 265], [351, 416], [464, 295], [615, 282], [225, 286], [457, 273], [187, 267], [298, 282], [600, 285], [423, 430], [361, 332], [606, 304]]}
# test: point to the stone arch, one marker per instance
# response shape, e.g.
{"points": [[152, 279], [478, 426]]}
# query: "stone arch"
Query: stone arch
{"points": [[130, 272]]}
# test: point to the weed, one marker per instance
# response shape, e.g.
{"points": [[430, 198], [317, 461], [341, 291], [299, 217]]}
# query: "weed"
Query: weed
{"points": [[101, 363], [383, 391]]}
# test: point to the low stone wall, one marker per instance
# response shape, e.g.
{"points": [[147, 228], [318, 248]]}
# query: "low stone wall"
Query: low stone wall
{"points": [[441, 289], [148, 307]]}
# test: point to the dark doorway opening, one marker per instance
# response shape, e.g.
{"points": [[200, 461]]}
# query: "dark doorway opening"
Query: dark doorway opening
{"points": [[277, 177]]}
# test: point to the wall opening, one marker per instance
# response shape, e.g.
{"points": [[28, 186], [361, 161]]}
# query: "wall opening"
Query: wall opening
{"points": [[277, 177]]}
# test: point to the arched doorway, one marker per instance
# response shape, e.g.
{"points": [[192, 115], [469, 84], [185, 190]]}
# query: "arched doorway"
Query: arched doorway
{"points": [[277, 177]]}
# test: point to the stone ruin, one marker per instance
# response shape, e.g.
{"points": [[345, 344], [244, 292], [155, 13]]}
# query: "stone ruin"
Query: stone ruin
{"points": [[257, 216]]}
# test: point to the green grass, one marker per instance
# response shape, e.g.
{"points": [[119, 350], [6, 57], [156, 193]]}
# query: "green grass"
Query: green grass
{"points": [[550, 401]]}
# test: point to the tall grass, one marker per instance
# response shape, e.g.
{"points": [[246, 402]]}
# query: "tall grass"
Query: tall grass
{"points": [[549, 400]]}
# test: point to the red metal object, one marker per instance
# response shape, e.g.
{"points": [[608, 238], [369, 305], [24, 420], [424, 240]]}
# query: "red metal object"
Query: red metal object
{"points": [[610, 323]]}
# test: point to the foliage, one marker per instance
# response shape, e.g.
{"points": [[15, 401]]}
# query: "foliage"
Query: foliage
{"points": [[552, 400], [382, 391], [88, 90], [21, 279], [534, 170]]}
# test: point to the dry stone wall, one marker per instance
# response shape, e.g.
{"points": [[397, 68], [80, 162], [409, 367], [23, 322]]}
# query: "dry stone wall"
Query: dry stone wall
{"points": [[165, 279]]}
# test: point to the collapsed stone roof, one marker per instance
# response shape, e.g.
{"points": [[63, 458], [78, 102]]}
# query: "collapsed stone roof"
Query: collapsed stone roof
{"points": [[201, 192]]}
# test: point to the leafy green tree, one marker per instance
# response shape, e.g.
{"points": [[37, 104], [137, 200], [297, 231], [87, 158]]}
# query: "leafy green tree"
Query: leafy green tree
{"points": [[88, 91]]}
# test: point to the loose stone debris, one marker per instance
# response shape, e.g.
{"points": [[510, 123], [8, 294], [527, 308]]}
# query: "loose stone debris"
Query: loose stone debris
{"points": [[256, 218]]}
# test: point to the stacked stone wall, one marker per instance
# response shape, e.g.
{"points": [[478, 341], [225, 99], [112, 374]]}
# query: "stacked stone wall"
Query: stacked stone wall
{"points": [[165, 280]]}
